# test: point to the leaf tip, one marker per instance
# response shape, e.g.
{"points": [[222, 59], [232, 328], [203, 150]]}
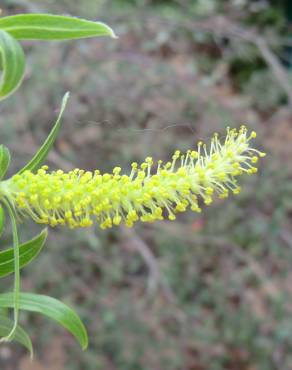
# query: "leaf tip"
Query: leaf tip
{"points": [[45, 232], [85, 346], [65, 99], [113, 35], [109, 31]]}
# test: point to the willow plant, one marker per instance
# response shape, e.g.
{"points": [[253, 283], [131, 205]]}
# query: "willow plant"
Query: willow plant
{"points": [[151, 191]]}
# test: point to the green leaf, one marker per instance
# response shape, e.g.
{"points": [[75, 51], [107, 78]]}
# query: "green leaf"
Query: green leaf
{"points": [[20, 335], [16, 291], [52, 27], [42, 153], [2, 219], [13, 64], [4, 160], [52, 308], [27, 252]]}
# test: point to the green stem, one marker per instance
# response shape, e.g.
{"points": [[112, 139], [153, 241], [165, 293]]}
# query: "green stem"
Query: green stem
{"points": [[11, 213]]}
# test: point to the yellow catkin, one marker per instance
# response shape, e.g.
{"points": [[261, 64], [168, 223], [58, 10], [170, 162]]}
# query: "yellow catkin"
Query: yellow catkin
{"points": [[150, 192]]}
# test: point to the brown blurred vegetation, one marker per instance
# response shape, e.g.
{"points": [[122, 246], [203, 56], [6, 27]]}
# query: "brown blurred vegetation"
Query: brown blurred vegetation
{"points": [[206, 292]]}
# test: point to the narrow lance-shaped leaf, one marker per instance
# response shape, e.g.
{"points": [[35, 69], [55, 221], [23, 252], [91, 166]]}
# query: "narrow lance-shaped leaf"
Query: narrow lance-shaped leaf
{"points": [[4, 160], [12, 63], [20, 335], [2, 219], [52, 27], [16, 291], [52, 308], [42, 153], [27, 252]]}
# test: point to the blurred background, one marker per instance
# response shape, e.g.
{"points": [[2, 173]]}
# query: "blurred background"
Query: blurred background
{"points": [[206, 292]]}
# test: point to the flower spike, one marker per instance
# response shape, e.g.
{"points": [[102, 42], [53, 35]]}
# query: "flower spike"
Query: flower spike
{"points": [[78, 198]]}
